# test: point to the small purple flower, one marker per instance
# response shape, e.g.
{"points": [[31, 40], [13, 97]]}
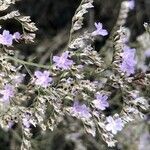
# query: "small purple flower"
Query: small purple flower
{"points": [[130, 51], [131, 4], [18, 78], [99, 30], [7, 93], [63, 62], [81, 111], [26, 121], [147, 53], [16, 36], [10, 124], [6, 38], [128, 66], [144, 143], [128, 61], [114, 125], [101, 101], [42, 78], [69, 80]]}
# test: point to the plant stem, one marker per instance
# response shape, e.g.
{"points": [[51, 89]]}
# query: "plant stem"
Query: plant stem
{"points": [[27, 63]]}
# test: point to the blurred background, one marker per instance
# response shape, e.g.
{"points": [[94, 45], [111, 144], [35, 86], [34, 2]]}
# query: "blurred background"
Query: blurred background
{"points": [[53, 19]]}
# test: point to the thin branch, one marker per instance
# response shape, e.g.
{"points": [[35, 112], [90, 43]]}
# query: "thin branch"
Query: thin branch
{"points": [[27, 63]]}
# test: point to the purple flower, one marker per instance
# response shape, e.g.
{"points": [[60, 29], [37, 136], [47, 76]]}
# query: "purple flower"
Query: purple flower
{"points": [[114, 125], [131, 4], [128, 61], [63, 62], [132, 51], [147, 53], [6, 38], [18, 78], [81, 111], [99, 30], [16, 36], [26, 121], [42, 78], [10, 124], [7, 93], [69, 80], [144, 143], [101, 101]]}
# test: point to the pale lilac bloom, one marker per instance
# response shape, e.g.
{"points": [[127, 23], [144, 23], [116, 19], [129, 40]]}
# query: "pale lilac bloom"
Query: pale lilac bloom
{"points": [[42, 78], [131, 4], [99, 30], [128, 61], [114, 125], [128, 66], [80, 110], [10, 124], [26, 121], [130, 51], [62, 61], [18, 78], [6, 38], [147, 53], [144, 143], [16, 36], [101, 102], [7, 93], [69, 80], [134, 94]]}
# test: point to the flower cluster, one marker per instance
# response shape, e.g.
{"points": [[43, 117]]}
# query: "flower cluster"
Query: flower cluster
{"points": [[101, 102], [7, 39], [42, 78], [114, 125], [63, 62]]}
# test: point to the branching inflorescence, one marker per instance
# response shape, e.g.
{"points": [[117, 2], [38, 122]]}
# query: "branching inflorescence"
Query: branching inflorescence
{"points": [[77, 84]]}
